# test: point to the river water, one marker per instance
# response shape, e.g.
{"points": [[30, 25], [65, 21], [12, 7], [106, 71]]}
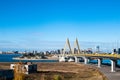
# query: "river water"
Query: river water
{"points": [[8, 58]]}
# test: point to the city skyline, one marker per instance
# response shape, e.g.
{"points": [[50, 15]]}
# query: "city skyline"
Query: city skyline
{"points": [[38, 24]]}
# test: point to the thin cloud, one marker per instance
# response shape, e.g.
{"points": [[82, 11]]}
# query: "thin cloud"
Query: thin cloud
{"points": [[5, 41]]}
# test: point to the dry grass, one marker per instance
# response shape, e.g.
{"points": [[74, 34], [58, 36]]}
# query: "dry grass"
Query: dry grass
{"points": [[69, 71], [65, 71]]}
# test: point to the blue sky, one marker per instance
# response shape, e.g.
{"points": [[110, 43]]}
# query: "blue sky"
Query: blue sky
{"points": [[47, 23]]}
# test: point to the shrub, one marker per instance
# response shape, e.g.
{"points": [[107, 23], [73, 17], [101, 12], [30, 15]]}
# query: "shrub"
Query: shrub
{"points": [[57, 77]]}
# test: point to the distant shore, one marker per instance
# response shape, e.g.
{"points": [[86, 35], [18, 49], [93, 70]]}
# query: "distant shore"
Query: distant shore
{"points": [[50, 58]]}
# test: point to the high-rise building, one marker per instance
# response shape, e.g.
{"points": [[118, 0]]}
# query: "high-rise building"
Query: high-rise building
{"points": [[97, 48], [118, 50], [114, 51]]}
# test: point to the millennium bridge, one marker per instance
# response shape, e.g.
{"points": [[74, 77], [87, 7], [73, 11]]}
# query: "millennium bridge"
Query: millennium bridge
{"points": [[86, 57]]}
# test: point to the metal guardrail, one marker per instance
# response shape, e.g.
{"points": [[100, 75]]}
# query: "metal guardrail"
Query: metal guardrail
{"points": [[96, 55]]}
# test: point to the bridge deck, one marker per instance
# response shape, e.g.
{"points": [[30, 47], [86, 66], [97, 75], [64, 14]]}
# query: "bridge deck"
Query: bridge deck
{"points": [[116, 56]]}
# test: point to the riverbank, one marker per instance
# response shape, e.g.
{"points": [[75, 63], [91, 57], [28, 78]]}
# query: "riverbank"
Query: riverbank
{"points": [[34, 58], [64, 71]]}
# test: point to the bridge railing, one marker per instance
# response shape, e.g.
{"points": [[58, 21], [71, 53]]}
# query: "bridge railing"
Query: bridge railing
{"points": [[97, 55]]}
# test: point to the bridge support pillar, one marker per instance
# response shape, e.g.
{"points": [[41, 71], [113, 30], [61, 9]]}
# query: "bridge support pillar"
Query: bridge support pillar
{"points": [[112, 65], [85, 60], [76, 59], [99, 62]]}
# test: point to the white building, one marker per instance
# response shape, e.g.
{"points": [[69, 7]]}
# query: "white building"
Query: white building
{"points": [[25, 68], [0, 52]]}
